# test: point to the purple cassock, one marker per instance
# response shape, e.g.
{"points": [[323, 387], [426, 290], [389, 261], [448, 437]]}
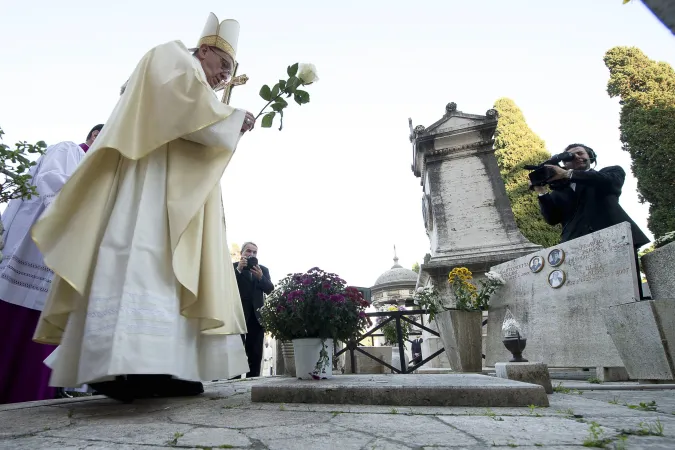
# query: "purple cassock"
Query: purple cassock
{"points": [[23, 375]]}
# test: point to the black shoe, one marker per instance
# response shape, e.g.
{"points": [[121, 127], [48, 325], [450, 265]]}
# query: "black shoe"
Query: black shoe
{"points": [[62, 393], [159, 386], [119, 389]]}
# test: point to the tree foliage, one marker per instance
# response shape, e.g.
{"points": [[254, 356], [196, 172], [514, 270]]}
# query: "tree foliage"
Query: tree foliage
{"points": [[416, 267], [515, 146], [15, 166], [646, 89]]}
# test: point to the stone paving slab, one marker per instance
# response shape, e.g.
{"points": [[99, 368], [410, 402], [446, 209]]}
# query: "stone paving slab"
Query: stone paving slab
{"points": [[403, 390], [225, 417]]}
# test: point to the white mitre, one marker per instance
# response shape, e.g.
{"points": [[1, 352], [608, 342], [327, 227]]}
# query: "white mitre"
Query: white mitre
{"points": [[223, 35]]}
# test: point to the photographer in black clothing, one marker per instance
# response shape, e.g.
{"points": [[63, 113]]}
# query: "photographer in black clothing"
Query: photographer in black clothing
{"points": [[585, 200], [253, 281]]}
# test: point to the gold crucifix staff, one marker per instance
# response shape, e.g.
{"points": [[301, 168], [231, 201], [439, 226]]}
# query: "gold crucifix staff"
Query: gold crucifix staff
{"points": [[227, 93], [235, 81]]}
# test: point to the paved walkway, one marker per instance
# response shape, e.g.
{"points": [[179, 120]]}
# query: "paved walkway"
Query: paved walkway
{"points": [[224, 417]]}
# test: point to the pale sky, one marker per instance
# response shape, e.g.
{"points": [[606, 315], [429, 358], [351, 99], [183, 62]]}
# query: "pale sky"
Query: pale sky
{"points": [[334, 189]]}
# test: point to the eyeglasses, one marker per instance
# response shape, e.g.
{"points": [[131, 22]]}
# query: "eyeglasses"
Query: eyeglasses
{"points": [[225, 64]]}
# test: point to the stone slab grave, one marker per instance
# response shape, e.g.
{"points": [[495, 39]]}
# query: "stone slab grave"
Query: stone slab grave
{"points": [[565, 326], [528, 372], [365, 364], [644, 334], [403, 390]]}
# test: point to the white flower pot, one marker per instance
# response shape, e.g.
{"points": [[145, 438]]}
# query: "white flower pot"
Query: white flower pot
{"points": [[307, 353], [289, 358]]}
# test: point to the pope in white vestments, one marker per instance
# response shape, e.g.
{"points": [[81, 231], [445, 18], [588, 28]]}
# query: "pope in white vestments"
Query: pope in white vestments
{"points": [[25, 280], [144, 300]]}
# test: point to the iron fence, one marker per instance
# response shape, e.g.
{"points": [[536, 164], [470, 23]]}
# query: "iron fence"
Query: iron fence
{"points": [[397, 316]]}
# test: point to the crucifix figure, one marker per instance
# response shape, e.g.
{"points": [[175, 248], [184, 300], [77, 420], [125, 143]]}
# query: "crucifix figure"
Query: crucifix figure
{"points": [[227, 87]]}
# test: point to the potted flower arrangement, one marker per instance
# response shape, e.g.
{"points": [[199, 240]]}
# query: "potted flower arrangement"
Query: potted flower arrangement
{"points": [[312, 309], [460, 324]]}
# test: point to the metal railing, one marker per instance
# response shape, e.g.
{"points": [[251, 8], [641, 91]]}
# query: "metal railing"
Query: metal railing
{"points": [[398, 317]]}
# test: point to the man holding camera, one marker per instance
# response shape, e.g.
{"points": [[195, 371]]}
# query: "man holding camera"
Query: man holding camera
{"points": [[582, 199], [253, 281]]}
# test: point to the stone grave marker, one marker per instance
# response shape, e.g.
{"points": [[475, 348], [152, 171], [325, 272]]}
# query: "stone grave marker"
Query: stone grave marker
{"points": [[565, 326]]}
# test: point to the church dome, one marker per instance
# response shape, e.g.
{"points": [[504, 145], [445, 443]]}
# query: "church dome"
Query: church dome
{"points": [[397, 274]]}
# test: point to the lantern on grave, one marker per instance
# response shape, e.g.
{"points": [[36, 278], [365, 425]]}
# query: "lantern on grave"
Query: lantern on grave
{"points": [[513, 337]]}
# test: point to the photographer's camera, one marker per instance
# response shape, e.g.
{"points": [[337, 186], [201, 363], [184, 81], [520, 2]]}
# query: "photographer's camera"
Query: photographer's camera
{"points": [[540, 174], [251, 261]]}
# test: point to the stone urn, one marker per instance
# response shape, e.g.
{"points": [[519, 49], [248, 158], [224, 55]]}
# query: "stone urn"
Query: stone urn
{"points": [[461, 333], [659, 267]]}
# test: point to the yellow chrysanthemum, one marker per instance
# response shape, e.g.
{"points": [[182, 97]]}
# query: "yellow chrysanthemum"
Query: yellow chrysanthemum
{"points": [[461, 273]]}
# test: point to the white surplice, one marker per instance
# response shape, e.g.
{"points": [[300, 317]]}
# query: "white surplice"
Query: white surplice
{"points": [[24, 278], [132, 323]]}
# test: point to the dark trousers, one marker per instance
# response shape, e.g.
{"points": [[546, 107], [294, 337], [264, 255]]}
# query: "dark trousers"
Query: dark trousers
{"points": [[253, 344]]}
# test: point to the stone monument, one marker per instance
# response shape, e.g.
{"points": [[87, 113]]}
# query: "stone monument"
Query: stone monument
{"points": [[466, 211], [561, 297], [644, 332]]}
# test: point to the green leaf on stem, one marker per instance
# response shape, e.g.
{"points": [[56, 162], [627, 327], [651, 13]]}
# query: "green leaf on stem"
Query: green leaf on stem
{"points": [[282, 101], [275, 91], [267, 120], [301, 97], [266, 93], [292, 70], [278, 106], [292, 84], [282, 84]]}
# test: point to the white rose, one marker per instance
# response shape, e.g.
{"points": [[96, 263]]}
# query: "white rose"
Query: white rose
{"points": [[420, 290], [307, 73]]}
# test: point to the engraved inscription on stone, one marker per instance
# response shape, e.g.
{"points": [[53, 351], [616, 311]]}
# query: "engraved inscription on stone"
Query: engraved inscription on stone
{"points": [[565, 326]]}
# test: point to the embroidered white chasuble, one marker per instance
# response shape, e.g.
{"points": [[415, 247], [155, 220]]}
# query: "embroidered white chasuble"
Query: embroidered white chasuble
{"points": [[143, 281]]}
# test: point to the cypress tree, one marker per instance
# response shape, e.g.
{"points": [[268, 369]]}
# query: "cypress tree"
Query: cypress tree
{"points": [[515, 146], [646, 89]]}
